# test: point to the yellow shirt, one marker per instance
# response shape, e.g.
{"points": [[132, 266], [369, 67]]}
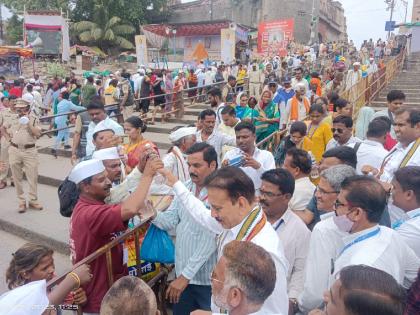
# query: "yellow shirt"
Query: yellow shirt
{"points": [[241, 76], [320, 135]]}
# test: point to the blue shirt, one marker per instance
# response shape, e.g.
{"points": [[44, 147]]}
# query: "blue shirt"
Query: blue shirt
{"points": [[195, 247], [283, 96], [65, 106]]}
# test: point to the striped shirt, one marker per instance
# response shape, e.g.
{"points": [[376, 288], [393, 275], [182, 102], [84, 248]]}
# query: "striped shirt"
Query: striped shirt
{"points": [[195, 247]]}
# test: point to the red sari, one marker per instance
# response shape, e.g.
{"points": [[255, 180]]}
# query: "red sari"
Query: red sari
{"points": [[133, 152]]}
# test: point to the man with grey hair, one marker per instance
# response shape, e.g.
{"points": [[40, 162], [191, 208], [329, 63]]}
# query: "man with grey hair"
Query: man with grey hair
{"points": [[297, 107], [129, 295], [182, 139], [243, 278], [326, 238]]}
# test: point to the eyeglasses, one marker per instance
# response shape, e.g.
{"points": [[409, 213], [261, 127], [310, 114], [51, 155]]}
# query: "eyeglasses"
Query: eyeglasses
{"points": [[269, 194], [324, 192], [338, 204], [339, 130]]}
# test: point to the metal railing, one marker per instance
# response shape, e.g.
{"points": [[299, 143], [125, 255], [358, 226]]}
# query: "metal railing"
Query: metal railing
{"points": [[157, 283], [365, 91]]}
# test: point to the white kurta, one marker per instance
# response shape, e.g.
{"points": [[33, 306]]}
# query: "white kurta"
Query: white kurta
{"points": [[326, 240], [334, 143], [294, 236], [409, 230], [265, 158], [385, 251], [391, 165], [369, 153], [304, 191], [217, 140], [277, 302]]}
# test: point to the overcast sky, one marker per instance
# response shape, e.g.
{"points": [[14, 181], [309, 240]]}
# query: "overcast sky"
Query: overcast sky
{"points": [[366, 18]]}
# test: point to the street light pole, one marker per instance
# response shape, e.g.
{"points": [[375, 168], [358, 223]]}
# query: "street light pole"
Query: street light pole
{"points": [[174, 33], [392, 5]]}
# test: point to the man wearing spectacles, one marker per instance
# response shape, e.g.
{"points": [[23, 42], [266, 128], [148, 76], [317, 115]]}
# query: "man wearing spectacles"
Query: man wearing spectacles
{"points": [[342, 132], [243, 279], [277, 189], [358, 209], [325, 238]]}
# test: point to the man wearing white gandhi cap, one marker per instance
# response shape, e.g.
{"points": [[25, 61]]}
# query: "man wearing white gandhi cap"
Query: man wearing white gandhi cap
{"points": [[93, 223], [112, 162], [182, 139]]}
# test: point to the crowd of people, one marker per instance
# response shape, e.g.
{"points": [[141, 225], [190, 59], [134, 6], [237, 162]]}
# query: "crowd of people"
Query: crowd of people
{"points": [[325, 222]]}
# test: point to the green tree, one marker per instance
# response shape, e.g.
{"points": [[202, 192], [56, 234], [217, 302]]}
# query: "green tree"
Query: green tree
{"points": [[104, 30], [18, 5], [14, 30]]}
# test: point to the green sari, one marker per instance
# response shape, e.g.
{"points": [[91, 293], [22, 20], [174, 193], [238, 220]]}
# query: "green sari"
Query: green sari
{"points": [[265, 129]]}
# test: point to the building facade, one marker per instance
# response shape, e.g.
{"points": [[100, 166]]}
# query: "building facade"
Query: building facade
{"points": [[330, 22], [415, 16]]}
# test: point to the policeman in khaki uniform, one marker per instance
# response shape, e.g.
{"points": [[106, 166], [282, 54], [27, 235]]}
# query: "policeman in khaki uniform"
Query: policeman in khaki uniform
{"points": [[7, 118], [23, 154]]}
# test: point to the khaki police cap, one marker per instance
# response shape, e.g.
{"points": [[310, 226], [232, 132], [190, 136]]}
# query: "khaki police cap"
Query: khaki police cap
{"points": [[20, 103]]}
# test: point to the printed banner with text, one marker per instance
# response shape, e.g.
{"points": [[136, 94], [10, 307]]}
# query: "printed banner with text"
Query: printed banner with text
{"points": [[274, 36]]}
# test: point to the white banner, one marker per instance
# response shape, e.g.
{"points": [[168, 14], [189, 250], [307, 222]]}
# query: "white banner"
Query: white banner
{"points": [[227, 49], [141, 50]]}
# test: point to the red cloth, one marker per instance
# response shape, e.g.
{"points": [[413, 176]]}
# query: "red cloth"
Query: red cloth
{"points": [[16, 91], [390, 142], [93, 224]]}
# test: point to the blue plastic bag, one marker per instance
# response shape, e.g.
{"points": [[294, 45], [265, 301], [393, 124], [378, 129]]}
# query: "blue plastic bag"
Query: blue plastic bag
{"points": [[157, 246]]}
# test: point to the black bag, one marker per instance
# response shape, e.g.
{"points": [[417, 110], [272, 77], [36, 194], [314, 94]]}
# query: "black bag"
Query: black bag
{"points": [[68, 195]]}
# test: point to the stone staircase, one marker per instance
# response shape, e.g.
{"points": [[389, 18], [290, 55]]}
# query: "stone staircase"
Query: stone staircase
{"points": [[407, 81]]}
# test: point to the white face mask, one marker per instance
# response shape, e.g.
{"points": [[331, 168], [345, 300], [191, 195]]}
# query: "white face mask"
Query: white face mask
{"points": [[343, 223]]}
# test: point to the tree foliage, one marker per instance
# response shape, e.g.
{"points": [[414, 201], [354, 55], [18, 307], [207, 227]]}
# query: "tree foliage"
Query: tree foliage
{"points": [[14, 30], [101, 22], [104, 30]]}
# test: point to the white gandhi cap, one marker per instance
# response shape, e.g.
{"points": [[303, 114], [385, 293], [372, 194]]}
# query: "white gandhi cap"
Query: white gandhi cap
{"points": [[106, 154], [86, 169], [101, 126], [181, 133]]}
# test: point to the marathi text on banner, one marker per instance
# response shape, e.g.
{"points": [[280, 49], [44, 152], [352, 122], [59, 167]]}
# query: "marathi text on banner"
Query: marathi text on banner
{"points": [[273, 37]]}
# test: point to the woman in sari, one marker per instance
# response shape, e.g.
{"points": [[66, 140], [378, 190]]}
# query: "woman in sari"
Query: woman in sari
{"points": [[268, 118], [319, 132], [243, 111], [134, 128]]}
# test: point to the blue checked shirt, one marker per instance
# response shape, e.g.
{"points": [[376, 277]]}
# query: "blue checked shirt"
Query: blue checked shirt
{"points": [[195, 247]]}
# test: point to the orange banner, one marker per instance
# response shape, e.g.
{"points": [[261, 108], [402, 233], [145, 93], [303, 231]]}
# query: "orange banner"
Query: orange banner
{"points": [[274, 36]]}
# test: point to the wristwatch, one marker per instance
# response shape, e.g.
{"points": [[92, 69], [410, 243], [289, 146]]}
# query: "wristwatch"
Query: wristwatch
{"points": [[295, 305]]}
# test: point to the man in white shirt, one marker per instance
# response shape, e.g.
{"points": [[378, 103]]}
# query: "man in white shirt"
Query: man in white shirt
{"points": [[227, 127], [353, 76], [342, 132], [300, 79], [253, 161], [277, 188], [297, 107], [137, 82], [210, 134], [326, 238], [406, 196], [371, 151], [358, 208], [395, 99], [235, 214], [97, 114], [216, 104], [299, 164], [182, 139], [373, 67], [405, 153]]}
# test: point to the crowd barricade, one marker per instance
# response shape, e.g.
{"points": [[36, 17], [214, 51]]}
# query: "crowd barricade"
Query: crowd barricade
{"points": [[144, 117], [157, 283], [361, 94]]}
